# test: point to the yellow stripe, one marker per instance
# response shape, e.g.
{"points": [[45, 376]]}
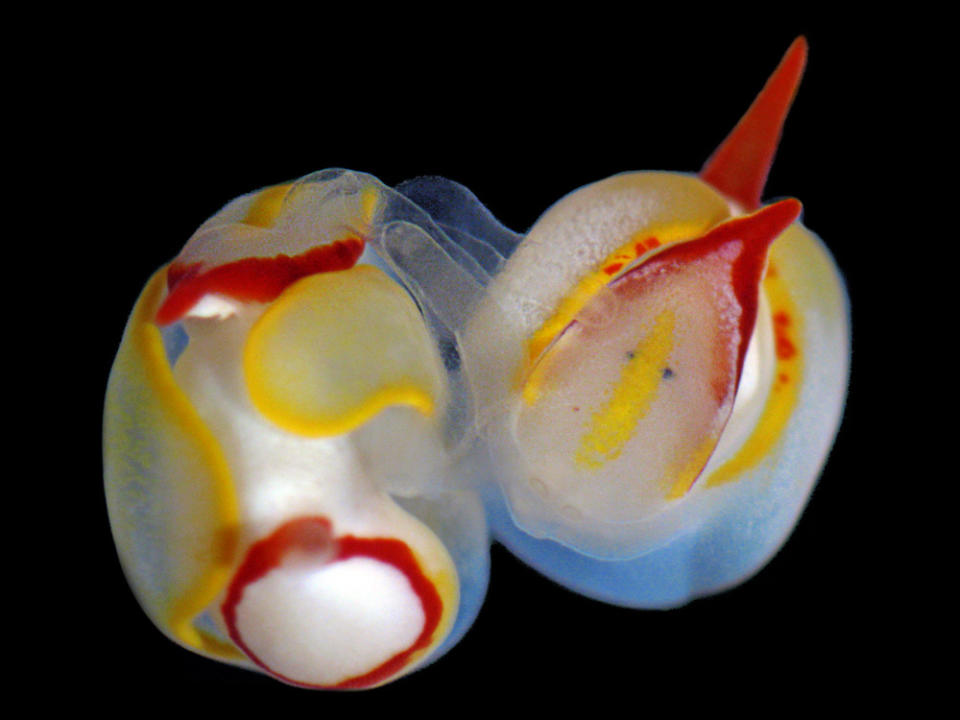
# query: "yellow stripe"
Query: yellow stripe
{"points": [[571, 305], [266, 206], [685, 474], [783, 394], [615, 423], [279, 413], [148, 344], [436, 564], [447, 586], [369, 199]]}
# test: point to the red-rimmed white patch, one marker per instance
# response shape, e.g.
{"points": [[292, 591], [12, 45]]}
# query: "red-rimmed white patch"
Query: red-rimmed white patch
{"points": [[323, 611]]}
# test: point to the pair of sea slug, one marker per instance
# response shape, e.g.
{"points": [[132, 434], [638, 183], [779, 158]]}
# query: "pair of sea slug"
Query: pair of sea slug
{"points": [[328, 403]]}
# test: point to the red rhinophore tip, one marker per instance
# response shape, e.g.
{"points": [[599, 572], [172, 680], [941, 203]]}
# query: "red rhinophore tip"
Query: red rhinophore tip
{"points": [[739, 167]]}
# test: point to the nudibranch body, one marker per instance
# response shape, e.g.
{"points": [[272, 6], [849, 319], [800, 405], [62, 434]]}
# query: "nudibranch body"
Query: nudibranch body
{"points": [[261, 377], [321, 404], [673, 376]]}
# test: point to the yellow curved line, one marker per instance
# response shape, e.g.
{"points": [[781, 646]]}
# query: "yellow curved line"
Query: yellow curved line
{"points": [[404, 391], [266, 205], [594, 281], [442, 574], [684, 474], [148, 344], [345, 422], [369, 201], [784, 393], [219, 648], [612, 425], [447, 585]]}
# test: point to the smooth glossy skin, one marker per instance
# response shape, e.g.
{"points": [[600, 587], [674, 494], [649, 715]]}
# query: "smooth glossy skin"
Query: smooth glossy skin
{"points": [[327, 404]]}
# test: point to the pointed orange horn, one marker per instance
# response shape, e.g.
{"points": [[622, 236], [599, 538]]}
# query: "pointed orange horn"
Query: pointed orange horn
{"points": [[739, 167]]}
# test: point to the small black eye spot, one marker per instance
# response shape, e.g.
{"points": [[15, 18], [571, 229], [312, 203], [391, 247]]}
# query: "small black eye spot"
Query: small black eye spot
{"points": [[667, 373]]}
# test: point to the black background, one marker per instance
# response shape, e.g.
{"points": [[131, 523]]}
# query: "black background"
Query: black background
{"points": [[521, 116]]}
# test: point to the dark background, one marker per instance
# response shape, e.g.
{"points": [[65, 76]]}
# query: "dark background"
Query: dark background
{"points": [[521, 117]]}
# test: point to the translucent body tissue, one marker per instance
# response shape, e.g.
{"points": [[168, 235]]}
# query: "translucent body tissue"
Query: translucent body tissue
{"points": [[324, 408]]}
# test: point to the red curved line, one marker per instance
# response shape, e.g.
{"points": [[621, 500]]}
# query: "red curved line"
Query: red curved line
{"points": [[251, 279], [757, 232]]}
